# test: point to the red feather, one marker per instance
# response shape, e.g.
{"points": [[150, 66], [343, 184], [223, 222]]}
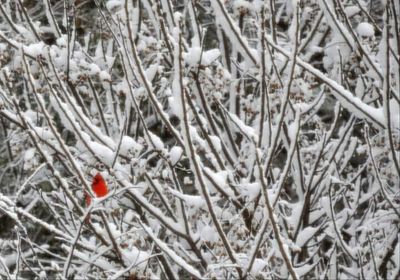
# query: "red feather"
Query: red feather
{"points": [[99, 187]]}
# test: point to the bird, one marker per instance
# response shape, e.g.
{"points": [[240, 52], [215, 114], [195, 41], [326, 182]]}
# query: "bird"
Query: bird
{"points": [[99, 188]]}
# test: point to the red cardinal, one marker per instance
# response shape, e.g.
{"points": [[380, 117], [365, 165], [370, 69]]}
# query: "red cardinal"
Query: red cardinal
{"points": [[99, 187]]}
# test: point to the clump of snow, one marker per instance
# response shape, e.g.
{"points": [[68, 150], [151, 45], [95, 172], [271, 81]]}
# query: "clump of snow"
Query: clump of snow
{"points": [[192, 57], [44, 133], [305, 235], [258, 266], [29, 159], [293, 129], [35, 49], [135, 257], [209, 234], [156, 141], [351, 11], [93, 69], [62, 41], [210, 55], [111, 4], [325, 203], [194, 201], [365, 29], [175, 154], [152, 71], [104, 76], [304, 269], [29, 154], [243, 128], [241, 7], [220, 179], [394, 113], [103, 152], [130, 146], [251, 190], [216, 142]]}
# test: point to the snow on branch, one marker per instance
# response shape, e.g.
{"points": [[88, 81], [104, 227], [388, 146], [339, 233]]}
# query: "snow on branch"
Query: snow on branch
{"points": [[202, 139]]}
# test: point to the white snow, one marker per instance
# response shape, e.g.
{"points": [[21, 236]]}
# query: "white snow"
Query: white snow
{"points": [[148, 83], [258, 266], [104, 76], [293, 129], [93, 69], [394, 113], [175, 154], [155, 140], [29, 154], [365, 29], [241, 6], [251, 190], [136, 258], [248, 131], [35, 49], [305, 235], [210, 55], [216, 142], [192, 57], [351, 10], [195, 201], [152, 70], [302, 270], [111, 4], [208, 233], [164, 247], [103, 152], [129, 145], [220, 179]]}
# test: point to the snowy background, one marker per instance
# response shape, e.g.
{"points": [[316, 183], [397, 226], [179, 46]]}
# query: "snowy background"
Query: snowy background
{"points": [[238, 139]]}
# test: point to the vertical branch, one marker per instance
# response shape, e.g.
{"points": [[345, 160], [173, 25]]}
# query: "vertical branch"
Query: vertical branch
{"points": [[386, 92], [271, 216], [263, 88]]}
